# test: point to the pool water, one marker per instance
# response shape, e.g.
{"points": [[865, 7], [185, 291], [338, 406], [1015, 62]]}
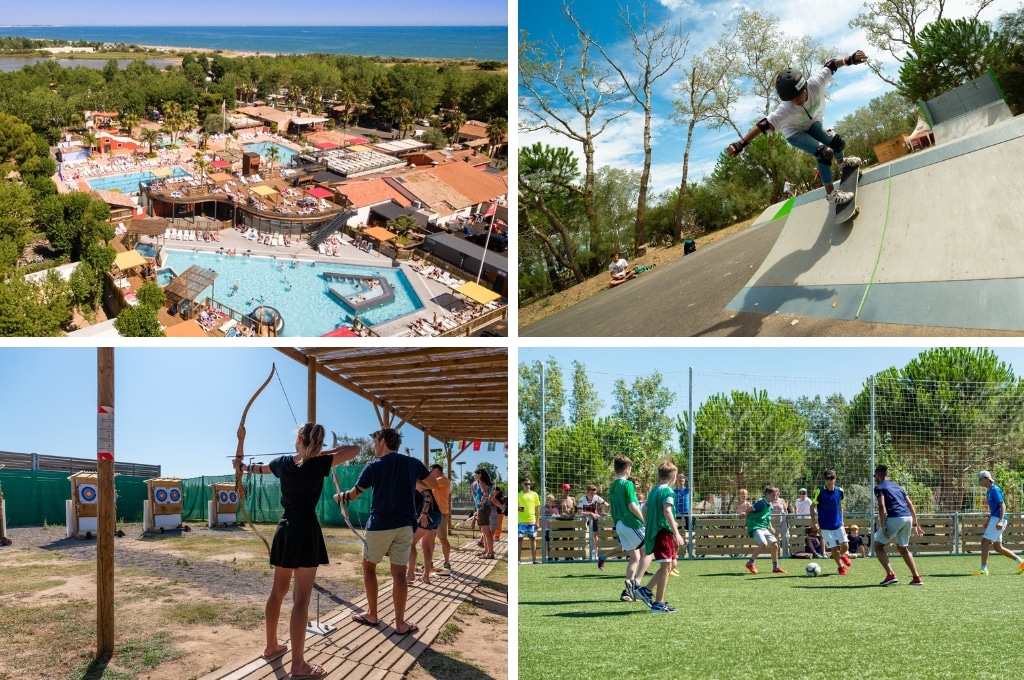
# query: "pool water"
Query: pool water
{"points": [[261, 148], [129, 183], [164, 276], [147, 249], [299, 292]]}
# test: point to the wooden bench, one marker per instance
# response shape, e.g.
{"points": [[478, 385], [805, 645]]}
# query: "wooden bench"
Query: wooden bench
{"points": [[567, 539], [720, 536], [973, 526]]}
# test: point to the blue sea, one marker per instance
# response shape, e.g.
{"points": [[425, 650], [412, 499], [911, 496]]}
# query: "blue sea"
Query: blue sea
{"points": [[445, 42]]}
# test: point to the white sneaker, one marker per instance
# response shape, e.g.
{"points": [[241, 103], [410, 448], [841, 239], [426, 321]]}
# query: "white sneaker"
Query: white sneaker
{"points": [[839, 197], [851, 162]]}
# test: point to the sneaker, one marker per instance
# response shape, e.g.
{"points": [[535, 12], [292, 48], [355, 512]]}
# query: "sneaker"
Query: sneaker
{"points": [[751, 567], [850, 162], [845, 558], [839, 197], [916, 581], [600, 563], [674, 572], [644, 595], [1020, 567], [842, 571], [778, 570], [447, 566], [980, 572], [662, 608], [626, 596], [889, 580]]}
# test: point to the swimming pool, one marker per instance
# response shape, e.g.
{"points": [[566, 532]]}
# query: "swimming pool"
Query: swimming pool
{"points": [[129, 183], [147, 249], [164, 276], [297, 289], [261, 148]]}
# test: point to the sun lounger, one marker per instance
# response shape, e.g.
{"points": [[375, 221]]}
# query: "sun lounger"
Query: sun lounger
{"points": [[322, 249], [228, 325]]}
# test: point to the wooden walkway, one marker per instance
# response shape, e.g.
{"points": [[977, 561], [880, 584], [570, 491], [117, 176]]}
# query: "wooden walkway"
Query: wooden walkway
{"points": [[355, 651]]}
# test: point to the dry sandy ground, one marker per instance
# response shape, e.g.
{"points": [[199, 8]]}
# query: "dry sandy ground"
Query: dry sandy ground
{"points": [[207, 605], [658, 256]]}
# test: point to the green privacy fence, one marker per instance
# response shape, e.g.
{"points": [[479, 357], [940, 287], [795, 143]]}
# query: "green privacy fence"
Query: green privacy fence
{"points": [[36, 497]]}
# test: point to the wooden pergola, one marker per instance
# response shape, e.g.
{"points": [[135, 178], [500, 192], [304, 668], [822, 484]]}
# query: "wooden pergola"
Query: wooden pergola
{"points": [[189, 284], [450, 394]]}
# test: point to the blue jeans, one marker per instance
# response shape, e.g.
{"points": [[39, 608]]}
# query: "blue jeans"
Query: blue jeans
{"points": [[810, 141]]}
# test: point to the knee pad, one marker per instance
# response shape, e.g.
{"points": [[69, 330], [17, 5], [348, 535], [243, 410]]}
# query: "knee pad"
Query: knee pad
{"points": [[825, 154], [837, 143]]}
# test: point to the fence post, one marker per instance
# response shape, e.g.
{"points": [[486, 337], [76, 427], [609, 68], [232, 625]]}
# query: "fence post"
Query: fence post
{"points": [[543, 462], [871, 467], [689, 473], [956, 532]]}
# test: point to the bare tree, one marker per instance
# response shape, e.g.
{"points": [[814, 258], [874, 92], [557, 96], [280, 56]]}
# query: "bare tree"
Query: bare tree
{"points": [[656, 49], [891, 25], [565, 98]]}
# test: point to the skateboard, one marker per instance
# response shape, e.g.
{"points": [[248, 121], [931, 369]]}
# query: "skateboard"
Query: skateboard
{"points": [[848, 182]]}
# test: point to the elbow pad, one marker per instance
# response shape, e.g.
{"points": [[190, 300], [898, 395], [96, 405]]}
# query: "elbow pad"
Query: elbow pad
{"points": [[764, 126], [833, 65]]}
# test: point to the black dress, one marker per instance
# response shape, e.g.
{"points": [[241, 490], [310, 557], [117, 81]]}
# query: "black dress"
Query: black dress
{"points": [[299, 541]]}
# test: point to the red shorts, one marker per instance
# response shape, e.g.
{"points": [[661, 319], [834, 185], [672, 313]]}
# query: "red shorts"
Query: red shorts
{"points": [[664, 546]]}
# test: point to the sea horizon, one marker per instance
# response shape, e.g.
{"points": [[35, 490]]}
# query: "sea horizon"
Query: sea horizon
{"points": [[482, 43]]}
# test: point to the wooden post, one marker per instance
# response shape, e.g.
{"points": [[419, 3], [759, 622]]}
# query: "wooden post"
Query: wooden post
{"points": [[426, 449], [311, 389], [105, 525]]}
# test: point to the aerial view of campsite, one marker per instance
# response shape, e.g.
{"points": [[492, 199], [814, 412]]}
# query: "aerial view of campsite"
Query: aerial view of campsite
{"points": [[342, 179]]}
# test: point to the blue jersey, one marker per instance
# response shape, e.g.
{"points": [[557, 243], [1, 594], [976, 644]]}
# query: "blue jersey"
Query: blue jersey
{"points": [[995, 499], [895, 498], [829, 506], [683, 501]]}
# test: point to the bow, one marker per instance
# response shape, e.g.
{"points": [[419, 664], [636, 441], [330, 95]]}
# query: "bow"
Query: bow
{"points": [[344, 510], [239, 454]]}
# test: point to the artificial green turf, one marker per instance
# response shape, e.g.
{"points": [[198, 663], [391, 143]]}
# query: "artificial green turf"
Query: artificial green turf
{"points": [[732, 624]]}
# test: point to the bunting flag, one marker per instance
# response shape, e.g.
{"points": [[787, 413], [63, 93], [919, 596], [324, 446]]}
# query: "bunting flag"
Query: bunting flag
{"points": [[476, 445], [490, 211], [490, 446]]}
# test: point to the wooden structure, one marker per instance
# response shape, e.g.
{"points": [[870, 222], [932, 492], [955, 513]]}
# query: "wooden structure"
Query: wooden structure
{"points": [[355, 652], [223, 504], [162, 509], [891, 148], [83, 508], [188, 286]]}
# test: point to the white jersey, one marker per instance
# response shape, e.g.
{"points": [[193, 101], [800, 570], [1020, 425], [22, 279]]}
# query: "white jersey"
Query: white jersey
{"points": [[618, 267], [791, 119], [593, 506], [803, 508]]}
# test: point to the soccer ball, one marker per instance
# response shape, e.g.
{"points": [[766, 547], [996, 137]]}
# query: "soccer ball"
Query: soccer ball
{"points": [[813, 569]]}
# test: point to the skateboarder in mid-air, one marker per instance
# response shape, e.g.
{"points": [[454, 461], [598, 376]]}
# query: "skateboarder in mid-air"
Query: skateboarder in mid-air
{"points": [[800, 117]]}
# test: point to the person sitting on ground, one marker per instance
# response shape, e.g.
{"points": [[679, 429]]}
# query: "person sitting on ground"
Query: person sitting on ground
{"points": [[857, 547], [619, 268], [812, 542]]}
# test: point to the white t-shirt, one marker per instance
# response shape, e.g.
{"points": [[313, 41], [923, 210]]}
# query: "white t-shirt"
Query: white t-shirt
{"points": [[803, 507], [618, 267], [791, 119], [593, 506]]}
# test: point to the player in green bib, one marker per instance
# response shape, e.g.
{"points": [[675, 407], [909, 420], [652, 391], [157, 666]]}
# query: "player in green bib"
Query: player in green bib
{"points": [[759, 528], [661, 534], [629, 529]]}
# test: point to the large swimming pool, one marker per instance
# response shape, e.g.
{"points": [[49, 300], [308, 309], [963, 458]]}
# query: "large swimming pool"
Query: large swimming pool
{"points": [[284, 153], [129, 183], [297, 289]]}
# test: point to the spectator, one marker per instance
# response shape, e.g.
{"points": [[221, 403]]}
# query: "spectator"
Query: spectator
{"points": [[390, 528], [708, 506], [802, 505], [741, 506], [896, 519], [298, 548], [552, 510], [682, 502], [429, 520], [993, 536], [812, 542], [857, 546], [589, 511], [780, 515], [619, 268], [499, 505], [442, 497], [567, 506], [482, 500], [528, 518]]}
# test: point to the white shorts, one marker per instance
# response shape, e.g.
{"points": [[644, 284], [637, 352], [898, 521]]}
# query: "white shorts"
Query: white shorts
{"points": [[629, 539], [899, 531], [764, 537], [993, 534], [833, 538]]}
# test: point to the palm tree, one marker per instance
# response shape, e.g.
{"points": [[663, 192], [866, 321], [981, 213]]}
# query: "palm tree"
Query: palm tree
{"points": [[455, 120], [89, 139], [129, 120], [496, 131], [273, 155], [149, 136]]}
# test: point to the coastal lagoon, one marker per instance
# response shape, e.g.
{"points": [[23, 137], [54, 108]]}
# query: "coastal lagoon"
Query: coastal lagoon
{"points": [[17, 63]]}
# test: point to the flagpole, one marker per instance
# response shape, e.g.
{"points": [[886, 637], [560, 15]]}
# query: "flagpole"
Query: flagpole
{"points": [[494, 213]]}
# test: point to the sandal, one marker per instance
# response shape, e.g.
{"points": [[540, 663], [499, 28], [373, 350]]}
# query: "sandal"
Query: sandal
{"points": [[317, 672]]}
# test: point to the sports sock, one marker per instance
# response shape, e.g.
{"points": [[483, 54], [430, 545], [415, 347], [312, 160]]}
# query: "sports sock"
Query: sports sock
{"points": [[750, 561], [775, 565]]}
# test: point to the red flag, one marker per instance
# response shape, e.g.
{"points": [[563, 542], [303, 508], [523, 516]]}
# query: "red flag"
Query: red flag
{"points": [[476, 445], [490, 211]]}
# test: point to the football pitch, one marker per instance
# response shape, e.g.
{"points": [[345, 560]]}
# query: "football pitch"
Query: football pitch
{"points": [[732, 624]]}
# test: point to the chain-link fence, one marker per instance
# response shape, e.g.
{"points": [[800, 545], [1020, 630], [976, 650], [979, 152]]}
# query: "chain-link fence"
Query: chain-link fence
{"points": [[733, 435]]}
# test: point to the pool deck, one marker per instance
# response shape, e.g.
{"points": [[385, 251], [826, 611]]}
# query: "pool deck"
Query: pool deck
{"points": [[438, 299]]}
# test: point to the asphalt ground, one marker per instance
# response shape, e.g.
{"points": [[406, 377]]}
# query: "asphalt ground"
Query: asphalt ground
{"points": [[687, 298]]}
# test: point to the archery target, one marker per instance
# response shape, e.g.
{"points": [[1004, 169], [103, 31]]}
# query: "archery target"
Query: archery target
{"points": [[226, 497], [233, 496], [87, 493], [175, 494], [160, 495]]}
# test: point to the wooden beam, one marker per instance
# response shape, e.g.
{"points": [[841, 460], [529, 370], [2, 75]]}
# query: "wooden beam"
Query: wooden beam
{"points": [[105, 522]]}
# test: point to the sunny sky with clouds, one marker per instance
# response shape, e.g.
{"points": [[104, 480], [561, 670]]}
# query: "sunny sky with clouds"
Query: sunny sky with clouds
{"points": [[621, 145]]}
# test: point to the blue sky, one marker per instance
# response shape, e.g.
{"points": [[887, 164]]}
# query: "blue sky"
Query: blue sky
{"points": [[621, 145], [256, 13], [178, 408], [842, 369]]}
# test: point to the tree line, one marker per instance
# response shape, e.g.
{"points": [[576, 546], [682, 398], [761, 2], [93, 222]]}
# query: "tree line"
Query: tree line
{"points": [[939, 420], [573, 214]]}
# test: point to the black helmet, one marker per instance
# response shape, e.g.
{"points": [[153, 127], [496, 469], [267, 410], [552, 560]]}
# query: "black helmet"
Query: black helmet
{"points": [[789, 83]]}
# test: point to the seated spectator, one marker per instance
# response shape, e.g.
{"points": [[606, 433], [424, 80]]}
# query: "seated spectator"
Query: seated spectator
{"points": [[812, 542], [857, 546], [619, 268]]}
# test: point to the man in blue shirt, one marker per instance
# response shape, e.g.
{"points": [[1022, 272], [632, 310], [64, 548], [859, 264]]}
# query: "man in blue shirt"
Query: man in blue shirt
{"points": [[896, 519], [827, 515], [996, 523]]}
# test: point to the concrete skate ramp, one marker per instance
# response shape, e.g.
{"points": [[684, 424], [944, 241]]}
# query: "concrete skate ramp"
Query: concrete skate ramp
{"points": [[939, 241], [975, 121]]}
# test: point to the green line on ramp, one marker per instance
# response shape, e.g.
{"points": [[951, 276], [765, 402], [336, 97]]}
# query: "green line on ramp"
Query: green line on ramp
{"points": [[881, 243], [786, 208]]}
